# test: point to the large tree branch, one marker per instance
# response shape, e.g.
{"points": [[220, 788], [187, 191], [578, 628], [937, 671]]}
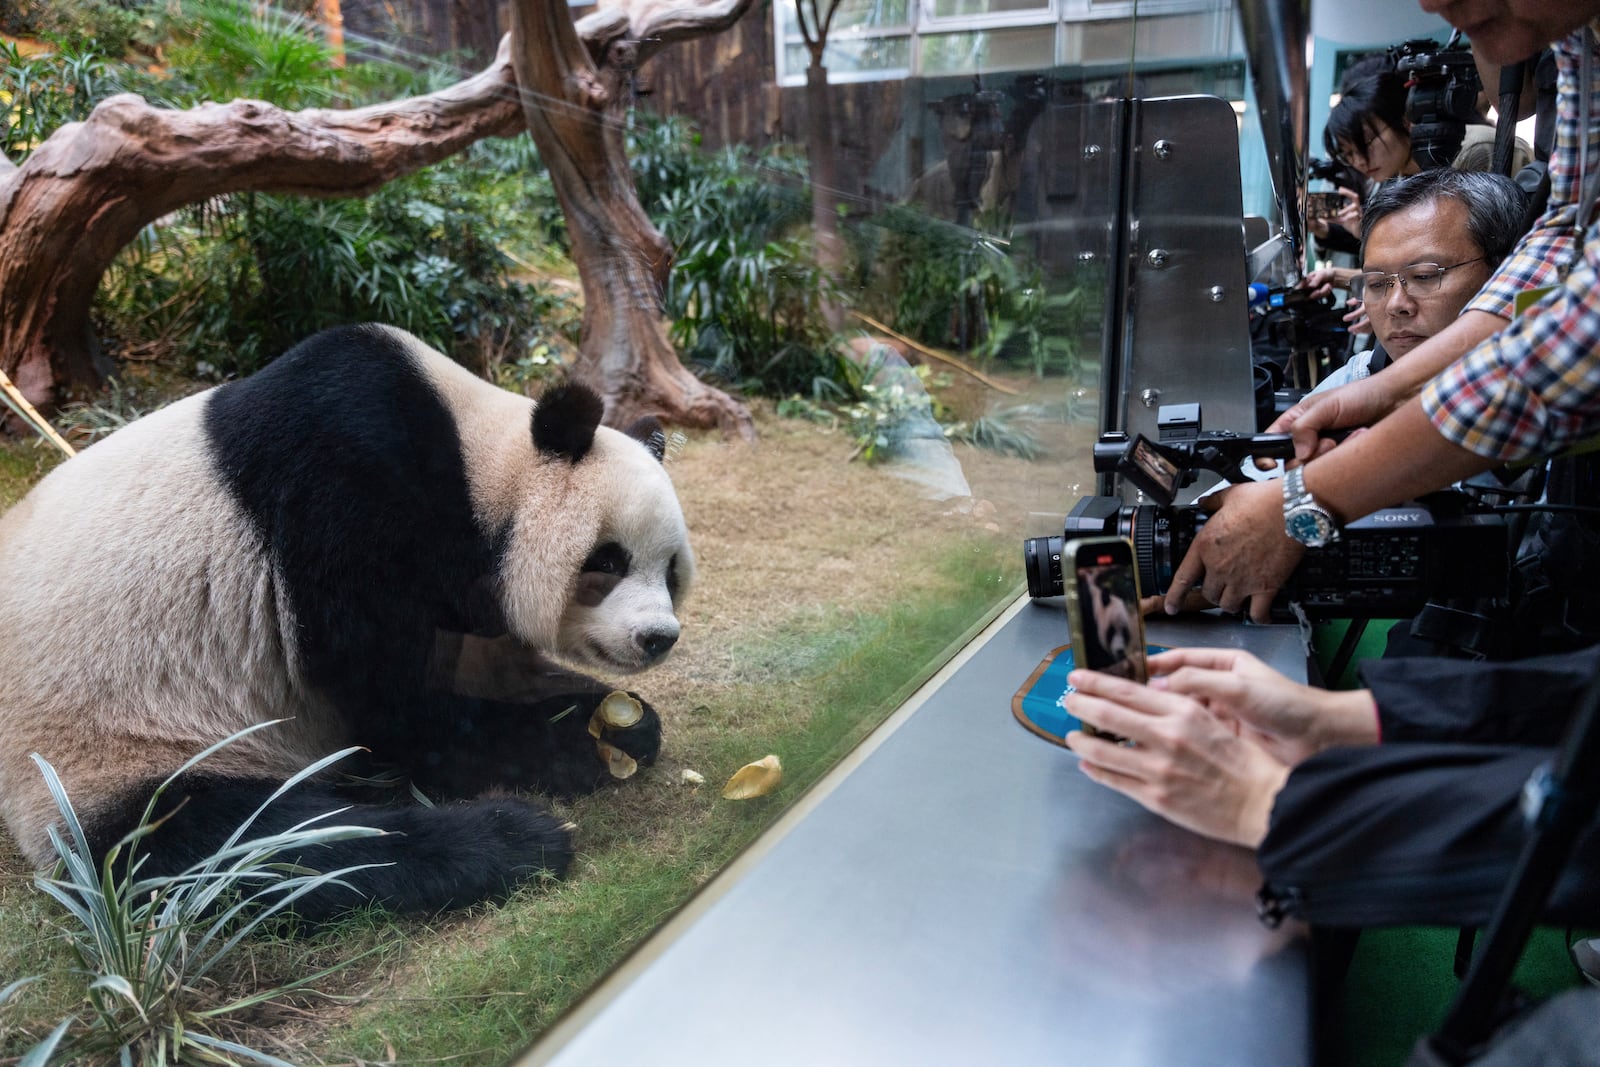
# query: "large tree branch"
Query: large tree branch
{"points": [[86, 192], [164, 158]]}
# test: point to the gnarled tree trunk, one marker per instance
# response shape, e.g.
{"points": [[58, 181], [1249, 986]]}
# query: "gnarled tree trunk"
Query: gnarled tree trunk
{"points": [[577, 92]]}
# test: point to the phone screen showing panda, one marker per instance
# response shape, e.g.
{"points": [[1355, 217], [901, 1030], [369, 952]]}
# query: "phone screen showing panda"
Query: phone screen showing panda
{"points": [[1103, 607]]}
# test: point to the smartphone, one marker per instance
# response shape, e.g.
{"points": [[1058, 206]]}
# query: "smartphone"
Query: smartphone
{"points": [[1101, 582], [1323, 205]]}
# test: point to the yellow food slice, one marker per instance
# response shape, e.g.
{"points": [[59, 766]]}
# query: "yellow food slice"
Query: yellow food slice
{"points": [[619, 763], [619, 711], [754, 779]]}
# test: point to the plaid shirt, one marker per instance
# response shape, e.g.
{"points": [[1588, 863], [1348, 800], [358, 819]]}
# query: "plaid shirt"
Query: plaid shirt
{"points": [[1534, 387]]}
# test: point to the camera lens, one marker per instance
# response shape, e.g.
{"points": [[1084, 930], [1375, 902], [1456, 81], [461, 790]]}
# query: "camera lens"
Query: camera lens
{"points": [[1041, 558], [1160, 537]]}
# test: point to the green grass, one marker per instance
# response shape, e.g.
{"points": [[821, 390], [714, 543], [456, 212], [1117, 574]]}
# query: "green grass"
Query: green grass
{"points": [[22, 464]]}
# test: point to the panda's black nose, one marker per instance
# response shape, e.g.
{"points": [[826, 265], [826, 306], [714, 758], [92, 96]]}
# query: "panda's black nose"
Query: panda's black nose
{"points": [[655, 643]]}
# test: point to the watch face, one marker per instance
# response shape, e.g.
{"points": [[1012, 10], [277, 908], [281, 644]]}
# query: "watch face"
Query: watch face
{"points": [[1308, 527]]}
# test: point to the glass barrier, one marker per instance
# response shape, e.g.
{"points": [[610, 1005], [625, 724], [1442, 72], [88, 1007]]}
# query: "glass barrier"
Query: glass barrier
{"points": [[922, 399]]}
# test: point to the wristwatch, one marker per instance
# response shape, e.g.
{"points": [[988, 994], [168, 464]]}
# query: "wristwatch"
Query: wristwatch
{"points": [[1304, 519]]}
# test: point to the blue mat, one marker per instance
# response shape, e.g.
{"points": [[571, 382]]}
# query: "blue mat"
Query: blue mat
{"points": [[1040, 705]]}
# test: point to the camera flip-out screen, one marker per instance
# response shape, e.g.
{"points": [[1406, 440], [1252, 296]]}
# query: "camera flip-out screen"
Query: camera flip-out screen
{"points": [[1145, 465]]}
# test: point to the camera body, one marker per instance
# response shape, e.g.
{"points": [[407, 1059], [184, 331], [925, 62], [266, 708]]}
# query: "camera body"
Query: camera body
{"points": [[1444, 86], [1386, 565]]}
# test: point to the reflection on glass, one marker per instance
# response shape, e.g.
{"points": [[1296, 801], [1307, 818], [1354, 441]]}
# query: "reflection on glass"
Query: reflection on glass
{"points": [[851, 14], [907, 449], [1201, 35], [862, 54], [946, 8], [1012, 49]]}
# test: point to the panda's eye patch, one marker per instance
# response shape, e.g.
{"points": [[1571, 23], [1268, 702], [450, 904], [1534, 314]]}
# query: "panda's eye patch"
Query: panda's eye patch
{"points": [[672, 579], [610, 558]]}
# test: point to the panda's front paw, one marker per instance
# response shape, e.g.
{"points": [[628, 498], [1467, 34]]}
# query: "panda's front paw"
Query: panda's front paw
{"points": [[640, 739], [596, 738]]}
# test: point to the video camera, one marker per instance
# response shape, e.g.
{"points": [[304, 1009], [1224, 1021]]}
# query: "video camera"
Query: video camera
{"points": [[1386, 565], [1292, 332], [1444, 86]]}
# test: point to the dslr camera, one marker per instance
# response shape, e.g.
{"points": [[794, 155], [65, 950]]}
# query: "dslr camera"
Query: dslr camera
{"points": [[1386, 565], [1444, 86]]}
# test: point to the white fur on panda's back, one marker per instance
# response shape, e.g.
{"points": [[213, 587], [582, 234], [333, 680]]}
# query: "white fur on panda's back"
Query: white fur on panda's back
{"points": [[135, 538]]}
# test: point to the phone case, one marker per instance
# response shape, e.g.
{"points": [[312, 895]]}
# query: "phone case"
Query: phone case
{"points": [[1069, 583]]}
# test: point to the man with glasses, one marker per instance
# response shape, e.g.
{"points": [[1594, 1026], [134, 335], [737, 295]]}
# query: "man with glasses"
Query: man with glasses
{"points": [[1528, 385], [1428, 243]]}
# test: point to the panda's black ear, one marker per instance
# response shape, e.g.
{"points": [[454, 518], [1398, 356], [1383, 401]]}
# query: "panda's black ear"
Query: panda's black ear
{"points": [[648, 432], [565, 420]]}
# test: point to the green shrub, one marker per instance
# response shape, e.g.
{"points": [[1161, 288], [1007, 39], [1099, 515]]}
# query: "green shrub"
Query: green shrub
{"points": [[222, 49], [111, 28], [150, 949], [44, 91], [953, 287], [745, 295], [234, 282]]}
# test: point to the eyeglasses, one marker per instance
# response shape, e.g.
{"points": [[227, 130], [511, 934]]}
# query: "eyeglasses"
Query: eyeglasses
{"points": [[1419, 279], [1348, 156]]}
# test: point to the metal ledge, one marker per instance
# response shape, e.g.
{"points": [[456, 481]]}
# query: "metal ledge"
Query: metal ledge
{"points": [[955, 891]]}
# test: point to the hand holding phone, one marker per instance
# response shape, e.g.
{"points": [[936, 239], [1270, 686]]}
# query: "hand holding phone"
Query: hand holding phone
{"points": [[1102, 589]]}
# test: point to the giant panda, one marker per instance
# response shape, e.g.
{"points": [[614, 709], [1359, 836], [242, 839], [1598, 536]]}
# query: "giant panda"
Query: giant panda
{"points": [[371, 543]]}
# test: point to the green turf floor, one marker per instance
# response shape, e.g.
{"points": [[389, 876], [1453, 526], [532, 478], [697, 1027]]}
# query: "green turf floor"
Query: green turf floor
{"points": [[1401, 981]]}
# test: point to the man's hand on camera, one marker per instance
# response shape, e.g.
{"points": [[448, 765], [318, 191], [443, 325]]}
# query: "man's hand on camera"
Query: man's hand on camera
{"points": [[1289, 720], [1325, 280], [1185, 763], [1157, 604], [1241, 554]]}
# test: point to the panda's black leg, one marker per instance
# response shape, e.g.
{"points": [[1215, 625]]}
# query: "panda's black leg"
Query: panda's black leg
{"points": [[545, 747], [427, 860]]}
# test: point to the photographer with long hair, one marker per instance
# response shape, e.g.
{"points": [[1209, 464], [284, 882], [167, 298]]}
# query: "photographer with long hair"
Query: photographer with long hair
{"points": [[1370, 131]]}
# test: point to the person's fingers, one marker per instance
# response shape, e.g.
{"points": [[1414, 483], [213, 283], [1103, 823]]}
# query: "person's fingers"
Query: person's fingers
{"points": [[1188, 576], [1303, 421], [1177, 660], [1307, 439], [1261, 608], [1128, 785], [1099, 685]]}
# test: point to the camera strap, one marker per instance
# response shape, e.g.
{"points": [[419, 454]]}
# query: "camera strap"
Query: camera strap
{"points": [[1588, 183], [1505, 132]]}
